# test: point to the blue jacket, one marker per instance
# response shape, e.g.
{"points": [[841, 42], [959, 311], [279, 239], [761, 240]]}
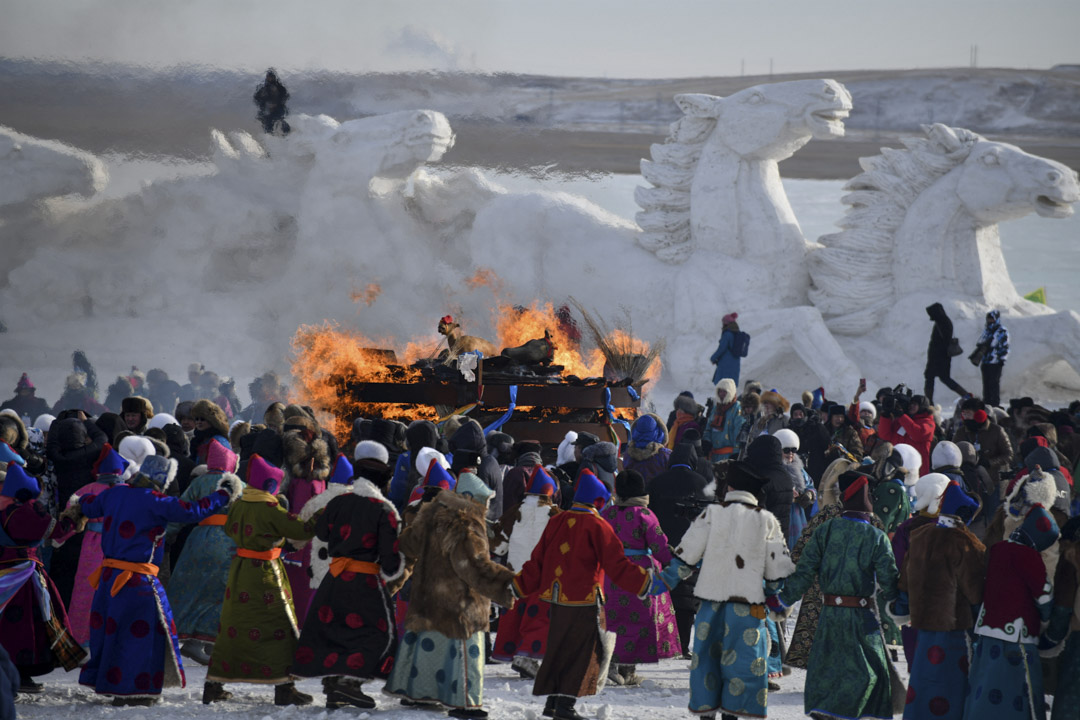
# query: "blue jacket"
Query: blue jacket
{"points": [[728, 435], [727, 364]]}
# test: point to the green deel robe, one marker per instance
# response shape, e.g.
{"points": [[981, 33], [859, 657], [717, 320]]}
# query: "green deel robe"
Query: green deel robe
{"points": [[258, 633], [848, 673]]}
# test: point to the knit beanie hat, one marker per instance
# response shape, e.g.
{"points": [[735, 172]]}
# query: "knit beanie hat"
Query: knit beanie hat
{"points": [[629, 484]]}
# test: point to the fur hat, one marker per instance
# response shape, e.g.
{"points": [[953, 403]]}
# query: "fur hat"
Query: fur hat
{"points": [[75, 381], [239, 429], [136, 449], [44, 422], [928, 491], [161, 420], [744, 478], [629, 484], [424, 458], [912, 462], [585, 439], [750, 403], [685, 401], [775, 399], [211, 413], [727, 385], [807, 399], [865, 406], [752, 387], [946, 454], [183, 410], [566, 448], [854, 488], [274, 416], [371, 449], [160, 470]]}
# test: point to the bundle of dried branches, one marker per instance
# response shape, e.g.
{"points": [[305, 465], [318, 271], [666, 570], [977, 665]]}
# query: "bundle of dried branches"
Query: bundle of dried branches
{"points": [[627, 357]]}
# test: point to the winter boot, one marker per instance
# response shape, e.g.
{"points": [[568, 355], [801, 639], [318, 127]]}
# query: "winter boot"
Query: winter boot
{"points": [[629, 675], [564, 709], [468, 713], [526, 667], [28, 686], [214, 692], [196, 650], [549, 706], [341, 692], [287, 694], [613, 676], [134, 701]]}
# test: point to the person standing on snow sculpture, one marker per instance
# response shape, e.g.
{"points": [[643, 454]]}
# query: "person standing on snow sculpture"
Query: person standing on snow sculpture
{"points": [[271, 97], [258, 633], [848, 675], [645, 628], [728, 363], [939, 353], [134, 651], [568, 567], [940, 580], [350, 636], [990, 354], [743, 557]]}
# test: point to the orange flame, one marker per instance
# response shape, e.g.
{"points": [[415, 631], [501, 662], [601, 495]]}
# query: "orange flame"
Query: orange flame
{"points": [[516, 326], [366, 296], [485, 277]]}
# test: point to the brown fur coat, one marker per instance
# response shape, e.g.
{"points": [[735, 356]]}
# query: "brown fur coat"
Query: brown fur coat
{"points": [[454, 578], [303, 457], [943, 575]]}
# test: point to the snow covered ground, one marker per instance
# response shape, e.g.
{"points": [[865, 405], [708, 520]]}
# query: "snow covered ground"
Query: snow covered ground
{"points": [[663, 696]]}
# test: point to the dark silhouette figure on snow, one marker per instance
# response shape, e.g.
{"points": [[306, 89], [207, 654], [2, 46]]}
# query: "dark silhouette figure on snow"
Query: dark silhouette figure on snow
{"points": [[271, 96]]}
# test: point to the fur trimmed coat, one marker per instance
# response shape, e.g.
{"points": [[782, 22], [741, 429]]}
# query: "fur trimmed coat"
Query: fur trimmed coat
{"points": [[520, 528], [943, 571], [454, 579]]}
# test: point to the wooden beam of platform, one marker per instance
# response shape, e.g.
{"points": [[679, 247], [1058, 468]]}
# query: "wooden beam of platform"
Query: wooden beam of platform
{"points": [[552, 433], [568, 396]]}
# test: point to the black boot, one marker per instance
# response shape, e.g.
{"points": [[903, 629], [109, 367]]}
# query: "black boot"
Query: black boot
{"points": [[549, 706], [28, 686], [468, 713], [564, 709], [287, 694], [118, 701], [213, 692], [341, 692]]}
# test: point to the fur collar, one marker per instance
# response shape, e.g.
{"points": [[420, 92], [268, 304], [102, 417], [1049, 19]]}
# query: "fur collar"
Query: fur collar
{"points": [[254, 495], [366, 488], [640, 501], [741, 496], [644, 453], [321, 500]]}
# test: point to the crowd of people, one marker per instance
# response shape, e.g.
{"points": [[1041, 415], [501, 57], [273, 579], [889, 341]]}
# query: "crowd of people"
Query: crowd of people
{"points": [[170, 522]]}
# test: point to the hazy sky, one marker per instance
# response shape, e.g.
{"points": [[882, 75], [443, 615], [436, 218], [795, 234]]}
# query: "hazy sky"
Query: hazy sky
{"points": [[617, 38]]}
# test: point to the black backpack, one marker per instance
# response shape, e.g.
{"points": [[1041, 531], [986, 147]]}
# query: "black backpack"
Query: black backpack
{"points": [[740, 344]]}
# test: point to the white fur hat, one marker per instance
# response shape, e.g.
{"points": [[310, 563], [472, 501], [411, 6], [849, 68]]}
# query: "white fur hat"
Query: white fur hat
{"points": [[566, 448], [160, 420], [371, 449], [864, 405], [136, 449], [44, 422], [928, 492], [424, 458], [787, 438], [946, 454], [728, 386], [912, 462]]}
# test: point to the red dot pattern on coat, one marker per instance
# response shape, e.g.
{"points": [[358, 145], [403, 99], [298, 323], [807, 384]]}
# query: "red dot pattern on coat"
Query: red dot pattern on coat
{"points": [[127, 530], [369, 540], [254, 634], [344, 531], [266, 671], [355, 661], [155, 532], [936, 654], [330, 660], [232, 632], [228, 593], [140, 628], [243, 596], [234, 528], [110, 626], [910, 695], [354, 620], [279, 634], [107, 523], [304, 655], [381, 624], [245, 668], [326, 614], [96, 621], [347, 576], [248, 529], [268, 598], [114, 676], [939, 706], [1043, 524], [392, 520]]}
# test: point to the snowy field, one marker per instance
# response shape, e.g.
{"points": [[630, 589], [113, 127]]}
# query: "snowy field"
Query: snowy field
{"points": [[663, 696]]}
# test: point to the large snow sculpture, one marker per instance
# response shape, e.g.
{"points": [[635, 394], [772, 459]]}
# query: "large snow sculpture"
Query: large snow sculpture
{"points": [[921, 226], [32, 169]]}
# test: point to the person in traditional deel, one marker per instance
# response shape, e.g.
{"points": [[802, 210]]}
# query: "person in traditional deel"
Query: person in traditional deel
{"points": [[848, 674], [522, 636], [271, 97], [25, 402], [440, 658], [258, 634], [1006, 677], [645, 629], [350, 636], [940, 580], [199, 580], [109, 470], [34, 631], [134, 651], [1061, 638], [743, 559], [568, 566]]}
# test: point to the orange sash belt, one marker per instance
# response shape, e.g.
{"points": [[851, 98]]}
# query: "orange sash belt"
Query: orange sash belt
{"points": [[129, 568], [271, 554], [218, 519], [340, 564]]}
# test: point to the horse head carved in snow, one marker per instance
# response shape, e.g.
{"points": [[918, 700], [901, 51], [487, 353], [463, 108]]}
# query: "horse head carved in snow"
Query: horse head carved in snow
{"points": [[715, 180]]}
